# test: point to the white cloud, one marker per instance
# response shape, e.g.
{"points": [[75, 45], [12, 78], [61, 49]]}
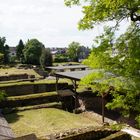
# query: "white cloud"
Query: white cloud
{"points": [[47, 20]]}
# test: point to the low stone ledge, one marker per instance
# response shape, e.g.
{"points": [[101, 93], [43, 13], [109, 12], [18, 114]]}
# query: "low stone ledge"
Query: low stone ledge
{"points": [[80, 134]]}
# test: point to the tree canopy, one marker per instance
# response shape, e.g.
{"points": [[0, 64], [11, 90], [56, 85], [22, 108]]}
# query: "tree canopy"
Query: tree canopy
{"points": [[97, 11], [118, 59], [121, 58], [46, 58], [19, 50], [33, 51], [4, 49], [74, 51], [1, 58]]}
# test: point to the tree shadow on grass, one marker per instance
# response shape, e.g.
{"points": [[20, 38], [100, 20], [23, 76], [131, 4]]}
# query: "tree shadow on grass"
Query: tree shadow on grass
{"points": [[12, 117], [116, 116]]}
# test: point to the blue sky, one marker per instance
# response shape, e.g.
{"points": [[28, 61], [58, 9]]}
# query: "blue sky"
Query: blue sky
{"points": [[50, 21]]}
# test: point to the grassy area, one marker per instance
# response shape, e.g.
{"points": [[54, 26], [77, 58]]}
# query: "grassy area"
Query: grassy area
{"points": [[14, 70], [46, 121], [47, 81], [10, 71], [45, 105], [31, 96]]}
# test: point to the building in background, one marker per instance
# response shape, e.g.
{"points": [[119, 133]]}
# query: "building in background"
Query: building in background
{"points": [[12, 51]]}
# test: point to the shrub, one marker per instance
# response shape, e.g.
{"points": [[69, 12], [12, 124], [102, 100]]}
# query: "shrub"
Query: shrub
{"points": [[2, 95]]}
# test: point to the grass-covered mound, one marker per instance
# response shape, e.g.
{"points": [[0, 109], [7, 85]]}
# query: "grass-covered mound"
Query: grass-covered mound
{"points": [[30, 99], [17, 89], [13, 70], [46, 121]]}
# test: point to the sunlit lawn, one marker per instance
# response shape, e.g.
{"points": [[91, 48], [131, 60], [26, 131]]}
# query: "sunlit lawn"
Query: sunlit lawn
{"points": [[46, 121], [9, 71], [14, 71]]}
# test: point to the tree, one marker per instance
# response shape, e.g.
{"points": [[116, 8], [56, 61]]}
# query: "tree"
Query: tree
{"points": [[2, 43], [97, 11], [1, 58], [19, 50], [61, 58], [2, 95], [4, 49], [6, 54], [33, 51], [73, 51], [46, 58], [84, 52], [121, 58]]}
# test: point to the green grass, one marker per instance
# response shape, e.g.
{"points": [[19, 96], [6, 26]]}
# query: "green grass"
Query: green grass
{"points": [[45, 105], [31, 96], [10, 71], [46, 121], [44, 81]]}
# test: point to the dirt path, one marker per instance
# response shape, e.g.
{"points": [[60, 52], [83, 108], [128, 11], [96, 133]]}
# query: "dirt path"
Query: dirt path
{"points": [[97, 117]]}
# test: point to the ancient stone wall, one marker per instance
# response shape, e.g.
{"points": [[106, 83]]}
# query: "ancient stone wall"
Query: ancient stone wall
{"points": [[13, 77]]}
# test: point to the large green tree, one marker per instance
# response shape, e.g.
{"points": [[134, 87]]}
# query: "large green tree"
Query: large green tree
{"points": [[19, 50], [97, 11], [4, 49], [74, 51], [33, 51], [1, 58], [46, 58], [121, 57]]}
